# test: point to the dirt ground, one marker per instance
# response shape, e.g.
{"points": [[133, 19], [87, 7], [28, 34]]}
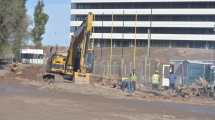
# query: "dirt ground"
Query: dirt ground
{"points": [[26, 97]]}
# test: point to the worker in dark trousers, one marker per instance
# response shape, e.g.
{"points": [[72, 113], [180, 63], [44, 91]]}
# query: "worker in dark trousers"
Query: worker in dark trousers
{"points": [[133, 80], [172, 81], [131, 84], [124, 83]]}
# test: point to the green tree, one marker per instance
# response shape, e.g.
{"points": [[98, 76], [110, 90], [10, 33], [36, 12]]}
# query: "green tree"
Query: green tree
{"points": [[40, 20], [13, 26]]}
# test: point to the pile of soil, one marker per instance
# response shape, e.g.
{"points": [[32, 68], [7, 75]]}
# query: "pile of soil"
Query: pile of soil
{"points": [[24, 72], [31, 72]]}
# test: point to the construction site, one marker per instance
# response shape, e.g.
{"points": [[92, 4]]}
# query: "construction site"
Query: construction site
{"points": [[87, 80], [24, 93]]}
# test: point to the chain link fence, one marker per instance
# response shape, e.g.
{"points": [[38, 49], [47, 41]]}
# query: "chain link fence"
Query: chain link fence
{"points": [[121, 64]]}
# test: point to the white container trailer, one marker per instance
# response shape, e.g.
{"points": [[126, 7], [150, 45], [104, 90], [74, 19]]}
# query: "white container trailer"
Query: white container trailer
{"points": [[32, 56]]}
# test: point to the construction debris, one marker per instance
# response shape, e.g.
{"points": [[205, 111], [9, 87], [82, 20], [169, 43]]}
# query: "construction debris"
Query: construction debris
{"points": [[14, 67], [32, 74]]}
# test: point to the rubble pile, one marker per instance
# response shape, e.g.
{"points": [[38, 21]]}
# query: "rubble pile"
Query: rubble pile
{"points": [[31, 72], [28, 74], [23, 72]]}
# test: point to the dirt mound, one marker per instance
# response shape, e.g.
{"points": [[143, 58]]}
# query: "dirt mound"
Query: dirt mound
{"points": [[31, 72], [24, 72]]}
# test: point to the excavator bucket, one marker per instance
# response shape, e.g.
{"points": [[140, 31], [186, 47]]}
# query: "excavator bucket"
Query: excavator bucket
{"points": [[81, 78]]}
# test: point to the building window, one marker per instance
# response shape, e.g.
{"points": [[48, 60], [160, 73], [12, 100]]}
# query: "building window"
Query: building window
{"points": [[160, 43], [154, 30], [138, 5], [147, 17], [211, 45], [197, 44]]}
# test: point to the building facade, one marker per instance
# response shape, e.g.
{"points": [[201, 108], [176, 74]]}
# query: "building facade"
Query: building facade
{"points": [[167, 23]]}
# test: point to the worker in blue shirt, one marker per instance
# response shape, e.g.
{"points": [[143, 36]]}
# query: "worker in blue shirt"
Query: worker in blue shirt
{"points": [[131, 84], [172, 80]]}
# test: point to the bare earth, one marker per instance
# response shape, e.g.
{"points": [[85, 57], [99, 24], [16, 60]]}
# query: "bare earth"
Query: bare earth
{"points": [[36, 101]]}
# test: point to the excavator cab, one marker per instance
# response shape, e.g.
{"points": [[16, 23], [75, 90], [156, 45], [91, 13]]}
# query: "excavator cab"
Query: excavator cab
{"points": [[56, 63]]}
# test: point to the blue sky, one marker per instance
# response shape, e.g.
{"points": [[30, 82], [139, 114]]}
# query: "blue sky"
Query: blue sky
{"points": [[58, 26]]}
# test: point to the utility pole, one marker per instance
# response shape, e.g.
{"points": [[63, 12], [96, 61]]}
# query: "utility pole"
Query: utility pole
{"points": [[135, 44], [103, 43], [123, 24], [123, 66], [111, 47], [148, 47], [148, 54]]}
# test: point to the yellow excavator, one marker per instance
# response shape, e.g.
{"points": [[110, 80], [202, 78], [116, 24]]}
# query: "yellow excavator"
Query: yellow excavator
{"points": [[80, 57], [56, 63]]}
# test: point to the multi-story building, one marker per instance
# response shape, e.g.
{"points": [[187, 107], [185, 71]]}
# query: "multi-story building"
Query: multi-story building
{"points": [[169, 23]]}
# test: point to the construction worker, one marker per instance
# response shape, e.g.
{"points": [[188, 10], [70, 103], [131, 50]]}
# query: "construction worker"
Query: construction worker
{"points": [[172, 80], [129, 85], [124, 83], [133, 80], [155, 80]]}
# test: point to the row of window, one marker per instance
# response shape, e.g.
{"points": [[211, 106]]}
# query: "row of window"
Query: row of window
{"points": [[147, 18], [155, 43], [140, 5], [153, 30], [32, 56]]}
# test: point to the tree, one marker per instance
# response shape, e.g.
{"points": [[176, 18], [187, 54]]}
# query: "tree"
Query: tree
{"points": [[13, 26], [22, 35], [40, 20]]}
